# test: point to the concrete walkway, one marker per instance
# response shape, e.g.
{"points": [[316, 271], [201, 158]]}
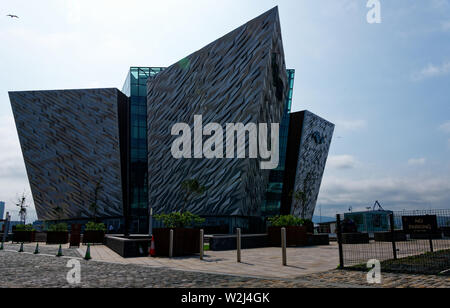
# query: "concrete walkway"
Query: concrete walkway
{"points": [[263, 262]]}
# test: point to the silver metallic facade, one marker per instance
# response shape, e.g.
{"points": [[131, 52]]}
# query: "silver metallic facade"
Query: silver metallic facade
{"points": [[315, 144], [240, 78], [70, 143]]}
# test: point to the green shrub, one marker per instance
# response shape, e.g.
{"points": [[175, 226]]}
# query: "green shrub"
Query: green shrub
{"points": [[180, 220], [62, 227], [92, 226], [287, 221], [25, 228]]}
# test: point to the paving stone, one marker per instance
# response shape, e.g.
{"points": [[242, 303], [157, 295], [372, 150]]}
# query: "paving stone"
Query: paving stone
{"points": [[25, 270]]}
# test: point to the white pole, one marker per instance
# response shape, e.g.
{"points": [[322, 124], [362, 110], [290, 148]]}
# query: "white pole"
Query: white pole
{"points": [[283, 246]]}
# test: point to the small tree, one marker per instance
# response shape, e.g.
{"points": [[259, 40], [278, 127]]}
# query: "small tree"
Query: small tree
{"points": [[59, 212], [302, 196], [93, 207], [191, 188], [180, 220], [22, 208]]}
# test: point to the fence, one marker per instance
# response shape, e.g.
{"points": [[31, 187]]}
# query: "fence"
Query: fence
{"points": [[407, 241]]}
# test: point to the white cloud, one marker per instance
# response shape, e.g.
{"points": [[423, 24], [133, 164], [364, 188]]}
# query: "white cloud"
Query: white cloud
{"points": [[73, 11], [445, 127], [446, 25], [13, 178], [417, 161], [431, 71], [351, 125], [338, 193], [440, 4], [342, 162]]}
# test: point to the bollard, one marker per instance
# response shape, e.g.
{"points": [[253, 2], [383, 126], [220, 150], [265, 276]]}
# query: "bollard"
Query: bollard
{"points": [[238, 244], [171, 244], [202, 243], [36, 251], [1, 246], [283, 246], [21, 247]]}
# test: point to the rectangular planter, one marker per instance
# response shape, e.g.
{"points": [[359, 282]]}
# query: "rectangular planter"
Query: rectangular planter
{"points": [[295, 236], [93, 237], [57, 238], [228, 242], [40, 237], [399, 236], [23, 236], [185, 241], [132, 247], [318, 240], [355, 238]]}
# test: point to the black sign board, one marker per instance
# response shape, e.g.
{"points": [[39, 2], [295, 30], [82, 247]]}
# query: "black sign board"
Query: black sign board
{"points": [[420, 224]]}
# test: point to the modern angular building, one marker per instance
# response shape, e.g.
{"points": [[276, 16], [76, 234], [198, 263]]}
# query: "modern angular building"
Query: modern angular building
{"points": [[2, 209], [74, 144], [105, 154], [135, 88]]}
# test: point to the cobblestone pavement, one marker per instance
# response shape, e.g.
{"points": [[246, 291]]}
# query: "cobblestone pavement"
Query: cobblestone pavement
{"points": [[45, 249], [25, 270]]}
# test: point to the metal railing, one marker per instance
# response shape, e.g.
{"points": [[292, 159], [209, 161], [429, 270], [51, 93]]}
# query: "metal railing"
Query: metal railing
{"points": [[411, 241]]}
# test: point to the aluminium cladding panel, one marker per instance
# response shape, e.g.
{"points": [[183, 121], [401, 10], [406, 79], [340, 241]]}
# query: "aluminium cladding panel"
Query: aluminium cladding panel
{"points": [[240, 78], [70, 142], [312, 136]]}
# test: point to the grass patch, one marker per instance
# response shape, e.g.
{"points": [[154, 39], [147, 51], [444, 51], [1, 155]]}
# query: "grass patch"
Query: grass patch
{"points": [[430, 263]]}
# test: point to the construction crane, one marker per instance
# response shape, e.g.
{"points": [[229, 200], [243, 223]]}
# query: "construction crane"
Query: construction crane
{"points": [[377, 204]]}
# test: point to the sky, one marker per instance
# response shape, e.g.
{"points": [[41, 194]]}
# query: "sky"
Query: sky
{"points": [[386, 86]]}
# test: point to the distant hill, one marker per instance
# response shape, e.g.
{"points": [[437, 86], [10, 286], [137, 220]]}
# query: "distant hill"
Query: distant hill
{"points": [[318, 219]]}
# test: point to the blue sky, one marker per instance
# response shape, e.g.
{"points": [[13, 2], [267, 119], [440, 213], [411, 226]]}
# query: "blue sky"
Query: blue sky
{"points": [[385, 86]]}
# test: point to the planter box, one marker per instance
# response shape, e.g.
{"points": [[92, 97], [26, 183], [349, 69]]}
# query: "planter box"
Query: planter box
{"points": [[399, 236], [228, 242], [130, 247], [23, 236], [8, 237], [185, 241], [40, 237], [57, 238], [309, 227], [93, 237], [318, 240], [295, 236], [355, 238]]}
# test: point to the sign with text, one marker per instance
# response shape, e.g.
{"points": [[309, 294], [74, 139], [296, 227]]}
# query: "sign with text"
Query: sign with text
{"points": [[420, 224]]}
